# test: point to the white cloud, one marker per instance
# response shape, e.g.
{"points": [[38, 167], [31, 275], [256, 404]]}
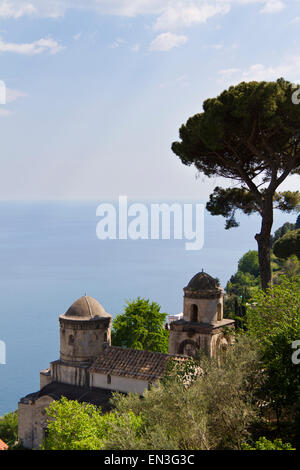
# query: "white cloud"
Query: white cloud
{"points": [[214, 46], [77, 36], [188, 14], [289, 70], [56, 8], [43, 8], [118, 42], [228, 73], [36, 47], [136, 48], [273, 6], [295, 20], [167, 41], [170, 14], [13, 95], [12, 9]]}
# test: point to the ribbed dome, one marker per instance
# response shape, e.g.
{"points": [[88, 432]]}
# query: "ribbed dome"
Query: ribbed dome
{"points": [[86, 308], [202, 281]]}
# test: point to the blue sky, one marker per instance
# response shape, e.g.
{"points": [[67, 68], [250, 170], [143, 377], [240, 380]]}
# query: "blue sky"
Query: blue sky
{"points": [[97, 89]]}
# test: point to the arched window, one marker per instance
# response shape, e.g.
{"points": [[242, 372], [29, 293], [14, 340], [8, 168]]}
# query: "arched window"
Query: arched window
{"points": [[194, 313], [71, 339]]}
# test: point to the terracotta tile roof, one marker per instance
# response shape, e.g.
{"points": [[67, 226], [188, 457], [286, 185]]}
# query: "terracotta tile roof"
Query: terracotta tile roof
{"points": [[143, 365], [3, 446]]}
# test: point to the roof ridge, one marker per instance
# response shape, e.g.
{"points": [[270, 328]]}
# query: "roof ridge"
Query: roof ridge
{"points": [[141, 350]]}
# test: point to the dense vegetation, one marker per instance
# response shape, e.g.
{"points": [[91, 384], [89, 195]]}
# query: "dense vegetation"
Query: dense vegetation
{"points": [[249, 398], [219, 407], [245, 282], [9, 429], [273, 318], [141, 326], [214, 411], [288, 245], [81, 426]]}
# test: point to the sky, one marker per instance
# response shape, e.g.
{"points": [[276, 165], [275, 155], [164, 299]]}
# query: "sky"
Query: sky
{"points": [[96, 90]]}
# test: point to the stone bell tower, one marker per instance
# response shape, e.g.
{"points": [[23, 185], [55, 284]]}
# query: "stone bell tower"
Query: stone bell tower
{"points": [[203, 325], [85, 331]]}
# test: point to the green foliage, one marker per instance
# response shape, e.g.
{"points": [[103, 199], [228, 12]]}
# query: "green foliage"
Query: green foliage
{"points": [[185, 372], [241, 286], [297, 225], [274, 320], [287, 201], [212, 412], [141, 327], [249, 263], [288, 268], [264, 444], [285, 228], [235, 309], [248, 134], [225, 202], [247, 123], [245, 282], [288, 245], [9, 428], [81, 426]]}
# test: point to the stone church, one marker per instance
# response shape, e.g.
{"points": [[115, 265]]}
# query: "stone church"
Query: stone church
{"points": [[90, 369]]}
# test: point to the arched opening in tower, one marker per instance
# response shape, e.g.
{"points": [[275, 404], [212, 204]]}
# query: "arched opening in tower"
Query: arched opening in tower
{"points": [[194, 313]]}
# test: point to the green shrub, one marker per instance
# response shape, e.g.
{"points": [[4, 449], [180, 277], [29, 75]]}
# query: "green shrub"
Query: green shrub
{"points": [[9, 428], [141, 326], [214, 411], [288, 245], [81, 426], [274, 320], [264, 444]]}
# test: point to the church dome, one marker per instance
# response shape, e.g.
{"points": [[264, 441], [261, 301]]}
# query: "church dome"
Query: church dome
{"points": [[202, 281], [86, 308]]}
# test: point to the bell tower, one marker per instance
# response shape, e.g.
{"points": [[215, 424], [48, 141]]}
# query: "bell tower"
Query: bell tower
{"points": [[84, 331], [203, 325]]}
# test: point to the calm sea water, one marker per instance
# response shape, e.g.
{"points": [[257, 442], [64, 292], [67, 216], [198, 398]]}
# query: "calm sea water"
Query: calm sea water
{"points": [[50, 256]]}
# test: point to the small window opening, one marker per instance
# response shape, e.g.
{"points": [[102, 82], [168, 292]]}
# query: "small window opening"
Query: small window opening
{"points": [[194, 313], [71, 339]]}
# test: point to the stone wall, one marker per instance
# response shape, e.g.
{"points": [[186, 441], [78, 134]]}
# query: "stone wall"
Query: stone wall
{"points": [[73, 374], [117, 383], [32, 421]]}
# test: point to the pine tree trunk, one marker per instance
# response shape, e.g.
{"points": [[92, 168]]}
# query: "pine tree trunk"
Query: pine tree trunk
{"points": [[263, 240]]}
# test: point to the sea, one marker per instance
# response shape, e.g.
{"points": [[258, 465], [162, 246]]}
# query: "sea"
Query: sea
{"points": [[50, 256]]}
